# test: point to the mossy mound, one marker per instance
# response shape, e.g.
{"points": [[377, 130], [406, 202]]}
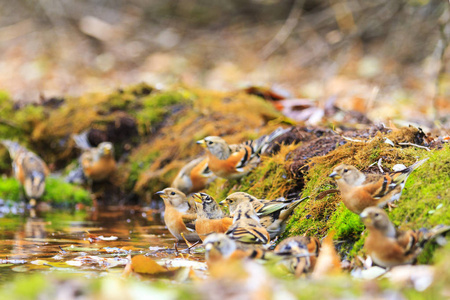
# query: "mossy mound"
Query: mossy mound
{"points": [[57, 192]]}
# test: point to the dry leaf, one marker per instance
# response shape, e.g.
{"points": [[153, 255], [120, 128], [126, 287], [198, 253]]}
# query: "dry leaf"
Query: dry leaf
{"points": [[146, 265]]}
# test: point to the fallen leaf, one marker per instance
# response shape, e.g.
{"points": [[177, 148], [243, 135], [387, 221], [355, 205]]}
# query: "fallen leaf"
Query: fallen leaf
{"points": [[146, 265]]}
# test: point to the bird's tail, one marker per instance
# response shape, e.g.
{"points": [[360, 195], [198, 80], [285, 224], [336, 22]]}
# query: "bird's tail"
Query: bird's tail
{"points": [[416, 164], [290, 208], [436, 233], [81, 140], [401, 176], [260, 145]]}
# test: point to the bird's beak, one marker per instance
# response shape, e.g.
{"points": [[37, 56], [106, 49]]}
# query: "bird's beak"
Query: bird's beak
{"points": [[335, 175], [197, 197], [364, 216], [208, 247], [202, 143], [161, 193], [223, 202]]}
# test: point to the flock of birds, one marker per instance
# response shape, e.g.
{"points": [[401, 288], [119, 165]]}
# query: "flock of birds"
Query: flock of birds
{"points": [[251, 223]]}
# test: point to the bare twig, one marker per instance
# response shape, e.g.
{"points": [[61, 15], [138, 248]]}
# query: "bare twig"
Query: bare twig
{"points": [[415, 145], [285, 30], [379, 165]]}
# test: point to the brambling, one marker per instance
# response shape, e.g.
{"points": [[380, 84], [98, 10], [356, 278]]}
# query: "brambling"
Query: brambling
{"points": [[28, 168], [194, 176], [98, 163], [210, 218], [246, 228], [389, 247], [219, 247], [301, 253], [273, 214], [359, 190], [179, 211], [237, 160]]}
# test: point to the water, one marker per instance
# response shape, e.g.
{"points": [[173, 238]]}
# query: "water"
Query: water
{"points": [[68, 241]]}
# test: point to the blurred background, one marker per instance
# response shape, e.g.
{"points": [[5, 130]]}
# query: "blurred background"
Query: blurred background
{"points": [[385, 58]]}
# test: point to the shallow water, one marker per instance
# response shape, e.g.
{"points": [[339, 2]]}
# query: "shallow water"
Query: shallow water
{"points": [[68, 241]]}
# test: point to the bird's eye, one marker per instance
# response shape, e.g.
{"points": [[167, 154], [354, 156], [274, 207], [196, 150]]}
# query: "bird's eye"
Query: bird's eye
{"points": [[173, 193], [210, 143], [345, 170], [376, 215]]}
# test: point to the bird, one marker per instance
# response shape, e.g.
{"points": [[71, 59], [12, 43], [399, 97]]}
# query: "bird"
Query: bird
{"points": [[98, 163], [300, 253], [194, 176], [273, 214], [246, 229], [210, 218], [389, 247], [221, 247], [178, 211], [237, 160], [29, 169], [360, 190]]}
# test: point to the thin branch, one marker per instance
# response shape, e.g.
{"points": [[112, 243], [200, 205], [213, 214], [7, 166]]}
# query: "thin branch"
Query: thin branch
{"points": [[415, 145]]}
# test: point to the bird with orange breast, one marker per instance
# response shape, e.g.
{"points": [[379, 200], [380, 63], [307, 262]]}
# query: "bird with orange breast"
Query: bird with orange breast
{"points": [[237, 160], [210, 218], [272, 214], [360, 190], [98, 163], [179, 211], [194, 176], [29, 169], [389, 247]]}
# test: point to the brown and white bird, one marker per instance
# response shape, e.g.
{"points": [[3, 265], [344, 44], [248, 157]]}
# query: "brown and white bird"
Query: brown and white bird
{"points": [[360, 190], [194, 176], [246, 229], [98, 163], [210, 218], [389, 247], [179, 211], [237, 160], [300, 253], [28, 168], [273, 214]]}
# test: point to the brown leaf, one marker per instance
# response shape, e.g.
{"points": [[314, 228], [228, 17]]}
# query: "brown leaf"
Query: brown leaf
{"points": [[146, 265]]}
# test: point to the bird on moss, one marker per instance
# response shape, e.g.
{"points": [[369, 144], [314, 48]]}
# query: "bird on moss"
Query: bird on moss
{"points": [[29, 169], [194, 176], [246, 229], [210, 218], [98, 163], [237, 160], [273, 214], [177, 213], [300, 254], [389, 247], [360, 190]]}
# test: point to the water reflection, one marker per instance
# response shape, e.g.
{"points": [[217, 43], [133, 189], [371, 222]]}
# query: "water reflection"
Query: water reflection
{"points": [[49, 239]]}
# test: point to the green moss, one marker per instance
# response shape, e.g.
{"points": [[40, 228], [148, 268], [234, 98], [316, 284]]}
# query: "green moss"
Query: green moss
{"points": [[10, 189], [56, 191], [60, 192]]}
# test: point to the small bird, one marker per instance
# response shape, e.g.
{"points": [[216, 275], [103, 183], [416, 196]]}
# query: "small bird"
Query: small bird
{"points": [[300, 253], [179, 211], [246, 229], [210, 218], [194, 176], [237, 160], [219, 247], [98, 163], [273, 214], [359, 190], [28, 168], [389, 247]]}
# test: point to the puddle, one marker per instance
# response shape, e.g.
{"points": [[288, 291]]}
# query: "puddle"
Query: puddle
{"points": [[71, 242]]}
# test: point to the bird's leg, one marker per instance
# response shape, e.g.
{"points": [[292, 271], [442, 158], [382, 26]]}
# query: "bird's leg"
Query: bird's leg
{"points": [[391, 206], [186, 241]]}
